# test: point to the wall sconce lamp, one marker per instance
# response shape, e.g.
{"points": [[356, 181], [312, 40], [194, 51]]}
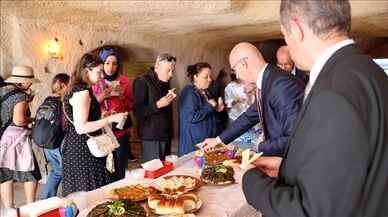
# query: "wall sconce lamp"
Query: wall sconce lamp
{"points": [[53, 48]]}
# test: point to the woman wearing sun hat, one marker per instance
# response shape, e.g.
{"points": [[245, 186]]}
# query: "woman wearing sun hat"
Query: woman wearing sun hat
{"points": [[17, 162]]}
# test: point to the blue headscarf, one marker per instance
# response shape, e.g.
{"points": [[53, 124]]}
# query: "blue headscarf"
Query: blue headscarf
{"points": [[104, 54]]}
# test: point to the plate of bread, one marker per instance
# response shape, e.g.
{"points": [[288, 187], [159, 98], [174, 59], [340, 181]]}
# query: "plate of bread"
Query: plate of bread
{"points": [[165, 205]]}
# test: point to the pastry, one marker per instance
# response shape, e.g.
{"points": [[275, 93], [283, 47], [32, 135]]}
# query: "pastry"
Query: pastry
{"points": [[153, 200], [134, 192], [215, 157], [169, 206], [190, 200], [165, 205], [177, 185]]}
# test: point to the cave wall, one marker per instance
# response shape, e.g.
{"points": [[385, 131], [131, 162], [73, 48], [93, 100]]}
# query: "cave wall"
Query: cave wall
{"points": [[26, 41]]}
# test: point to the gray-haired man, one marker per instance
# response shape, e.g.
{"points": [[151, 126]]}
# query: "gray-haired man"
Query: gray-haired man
{"points": [[153, 110]]}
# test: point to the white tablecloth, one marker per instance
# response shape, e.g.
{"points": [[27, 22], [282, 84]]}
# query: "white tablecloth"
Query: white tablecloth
{"points": [[218, 201]]}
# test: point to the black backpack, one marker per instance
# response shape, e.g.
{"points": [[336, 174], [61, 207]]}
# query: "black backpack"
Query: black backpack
{"points": [[2, 99], [47, 131]]}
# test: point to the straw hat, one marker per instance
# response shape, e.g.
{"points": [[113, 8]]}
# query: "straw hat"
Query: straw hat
{"points": [[22, 74]]}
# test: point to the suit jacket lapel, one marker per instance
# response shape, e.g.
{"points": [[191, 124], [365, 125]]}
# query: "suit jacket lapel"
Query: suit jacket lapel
{"points": [[298, 120], [326, 70]]}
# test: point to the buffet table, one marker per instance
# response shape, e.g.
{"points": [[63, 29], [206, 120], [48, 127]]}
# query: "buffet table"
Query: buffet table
{"points": [[218, 201]]}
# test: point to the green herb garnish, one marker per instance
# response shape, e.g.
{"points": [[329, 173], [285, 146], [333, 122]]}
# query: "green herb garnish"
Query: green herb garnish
{"points": [[116, 208], [221, 169]]}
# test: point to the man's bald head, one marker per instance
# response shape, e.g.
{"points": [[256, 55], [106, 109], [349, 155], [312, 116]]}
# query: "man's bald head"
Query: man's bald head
{"points": [[284, 60], [283, 51], [246, 60], [245, 49]]}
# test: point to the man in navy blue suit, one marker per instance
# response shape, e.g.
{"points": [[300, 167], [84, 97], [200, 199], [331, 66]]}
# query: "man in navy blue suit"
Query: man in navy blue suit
{"points": [[279, 99], [285, 62]]}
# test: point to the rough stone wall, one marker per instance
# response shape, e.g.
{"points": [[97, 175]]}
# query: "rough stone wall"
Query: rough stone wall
{"points": [[23, 42]]}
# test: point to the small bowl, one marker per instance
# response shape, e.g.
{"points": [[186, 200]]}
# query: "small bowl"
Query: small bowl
{"points": [[8, 212], [173, 159], [136, 173]]}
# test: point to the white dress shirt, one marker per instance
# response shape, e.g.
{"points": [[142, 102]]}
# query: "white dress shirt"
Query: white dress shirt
{"points": [[293, 72], [259, 84], [321, 61]]}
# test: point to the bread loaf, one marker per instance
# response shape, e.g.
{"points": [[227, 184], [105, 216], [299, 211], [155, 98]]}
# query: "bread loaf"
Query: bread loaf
{"points": [[161, 208], [192, 195], [189, 204], [175, 191], [178, 206], [153, 201], [169, 205]]}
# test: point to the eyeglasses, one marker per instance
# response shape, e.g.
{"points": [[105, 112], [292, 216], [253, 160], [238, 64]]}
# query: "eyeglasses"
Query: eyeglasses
{"points": [[282, 65], [234, 66]]}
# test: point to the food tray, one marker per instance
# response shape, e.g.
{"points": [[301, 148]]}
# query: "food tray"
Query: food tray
{"points": [[52, 213], [167, 167]]}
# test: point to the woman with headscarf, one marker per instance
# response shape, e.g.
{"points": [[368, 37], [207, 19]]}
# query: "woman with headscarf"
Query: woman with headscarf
{"points": [[17, 161], [114, 93]]}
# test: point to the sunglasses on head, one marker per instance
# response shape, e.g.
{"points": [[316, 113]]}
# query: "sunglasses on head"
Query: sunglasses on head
{"points": [[233, 69], [91, 64], [169, 59]]}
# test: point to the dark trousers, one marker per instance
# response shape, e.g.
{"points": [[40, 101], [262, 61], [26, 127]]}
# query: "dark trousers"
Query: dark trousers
{"points": [[151, 149], [121, 157]]}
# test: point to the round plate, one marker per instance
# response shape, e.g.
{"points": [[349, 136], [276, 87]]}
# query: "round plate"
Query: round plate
{"points": [[210, 183], [111, 196], [102, 209], [215, 183], [199, 205], [198, 182]]}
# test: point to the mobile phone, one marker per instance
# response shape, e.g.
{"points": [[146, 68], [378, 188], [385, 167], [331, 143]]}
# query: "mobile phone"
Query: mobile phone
{"points": [[114, 85], [121, 124]]}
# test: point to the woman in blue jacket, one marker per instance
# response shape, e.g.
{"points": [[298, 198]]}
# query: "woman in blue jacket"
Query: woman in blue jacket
{"points": [[197, 111]]}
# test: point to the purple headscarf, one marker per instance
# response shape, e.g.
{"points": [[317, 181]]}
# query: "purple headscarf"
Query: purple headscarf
{"points": [[104, 54]]}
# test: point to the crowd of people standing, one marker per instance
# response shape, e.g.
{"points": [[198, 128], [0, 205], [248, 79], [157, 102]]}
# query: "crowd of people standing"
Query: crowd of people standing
{"points": [[318, 115]]}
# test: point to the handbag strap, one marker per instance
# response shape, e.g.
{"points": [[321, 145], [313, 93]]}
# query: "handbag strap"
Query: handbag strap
{"points": [[68, 118]]}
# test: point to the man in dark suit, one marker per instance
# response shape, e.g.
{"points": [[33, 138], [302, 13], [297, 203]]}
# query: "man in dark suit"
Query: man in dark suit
{"points": [[278, 101], [285, 62], [337, 161]]}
